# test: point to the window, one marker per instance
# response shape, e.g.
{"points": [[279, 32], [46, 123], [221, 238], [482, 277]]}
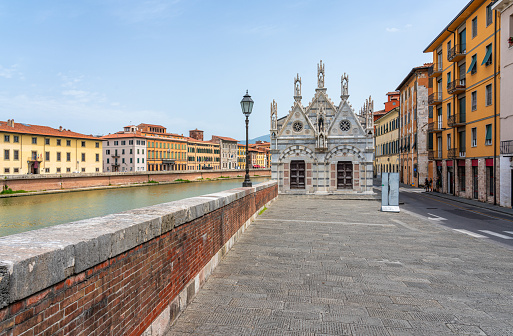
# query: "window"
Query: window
{"points": [[15, 155], [58, 170], [449, 46], [489, 15], [58, 142], [473, 134], [34, 141], [6, 170], [68, 143], [473, 100], [97, 145], [47, 156], [131, 151], [47, 170], [488, 56], [7, 138], [68, 157], [123, 151], [474, 27], [58, 156], [15, 138], [83, 144], [488, 90], [123, 160], [448, 141], [83, 170], [123, 143], [97, 157], [107, 152], [6, 154], [97, 169], [131, 160], [68, 170], [47, 141], [488, 137], [130, 142], [449, 110], [473, 65], [137, 160], [83, 157], [142, 160], [108, 161], [116, 143]]}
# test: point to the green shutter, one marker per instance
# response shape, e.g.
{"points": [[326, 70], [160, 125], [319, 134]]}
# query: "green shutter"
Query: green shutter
{"points": [[489, 132], [472, 64], [488, 54]]}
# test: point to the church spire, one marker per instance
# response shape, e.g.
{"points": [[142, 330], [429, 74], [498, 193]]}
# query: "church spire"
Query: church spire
{"points": [[297, 88]]}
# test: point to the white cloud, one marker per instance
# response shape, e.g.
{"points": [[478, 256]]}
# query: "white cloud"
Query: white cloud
{"points": [[393, 30], [11, 72]]}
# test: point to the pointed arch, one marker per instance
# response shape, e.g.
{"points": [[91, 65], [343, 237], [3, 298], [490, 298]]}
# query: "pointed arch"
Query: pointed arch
{"points": [[348, 149], [297, 150]]}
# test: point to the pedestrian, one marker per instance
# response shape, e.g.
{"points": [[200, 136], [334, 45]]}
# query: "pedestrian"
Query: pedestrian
{"points": [[426, 184], [430, 185]]}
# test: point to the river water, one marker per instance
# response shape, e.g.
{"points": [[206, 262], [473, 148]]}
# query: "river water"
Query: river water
{"points": [[19, 214]]}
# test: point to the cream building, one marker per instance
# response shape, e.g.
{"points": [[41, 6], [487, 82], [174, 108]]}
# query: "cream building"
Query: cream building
{"points": [[229, 151], [387, 143], [34, 149], [124, 151]]}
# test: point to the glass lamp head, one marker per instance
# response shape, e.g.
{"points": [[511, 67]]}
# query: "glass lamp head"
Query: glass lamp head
{"points": [[247, 104]]}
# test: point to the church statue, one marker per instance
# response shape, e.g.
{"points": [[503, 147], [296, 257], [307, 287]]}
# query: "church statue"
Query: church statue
{"points": [[297, 86], [320, 75], [345, 85]]}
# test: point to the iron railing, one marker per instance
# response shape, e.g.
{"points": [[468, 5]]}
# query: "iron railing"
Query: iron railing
{"points": [[457, 119], [457, 52], [507, 147], [456, 86], [435, 70], [435, 98]]}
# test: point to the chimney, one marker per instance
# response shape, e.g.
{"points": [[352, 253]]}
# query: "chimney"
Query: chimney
{"points": [[60, 128], [10, 123]]}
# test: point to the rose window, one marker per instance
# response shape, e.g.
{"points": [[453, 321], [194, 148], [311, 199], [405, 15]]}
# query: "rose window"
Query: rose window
{"points": [[297, 126], [345, 125]]}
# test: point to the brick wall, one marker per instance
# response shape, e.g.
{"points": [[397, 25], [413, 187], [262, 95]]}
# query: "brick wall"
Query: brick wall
{"points": [[75, 181], [123, 274]]}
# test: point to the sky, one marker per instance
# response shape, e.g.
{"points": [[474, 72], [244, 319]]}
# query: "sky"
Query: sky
{"points": [[95, 66]]}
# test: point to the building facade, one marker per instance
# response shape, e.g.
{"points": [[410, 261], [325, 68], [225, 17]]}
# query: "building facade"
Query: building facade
{"points": [[465, 104], [241, 156], [124, 151], [505, 11], [229, 151], [165, 151], [387, 143], [322, 147], [414, 110], [34, 149], [202, 155]]}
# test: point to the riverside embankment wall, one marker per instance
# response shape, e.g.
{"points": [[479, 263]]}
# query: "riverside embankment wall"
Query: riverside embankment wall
{"points": [[123, 274], [75, 181]]}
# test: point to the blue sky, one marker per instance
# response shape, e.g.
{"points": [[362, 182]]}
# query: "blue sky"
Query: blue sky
{"points": [[94, 66]]}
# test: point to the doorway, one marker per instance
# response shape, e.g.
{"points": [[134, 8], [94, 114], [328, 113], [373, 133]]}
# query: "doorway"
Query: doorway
{"points": [[297, 174], [344, 175], [475, 183]]}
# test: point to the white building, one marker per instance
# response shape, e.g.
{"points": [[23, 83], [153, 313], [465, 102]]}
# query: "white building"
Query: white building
{"points": [[124, 151], [322, 147], [505, 10], [229, 150]]}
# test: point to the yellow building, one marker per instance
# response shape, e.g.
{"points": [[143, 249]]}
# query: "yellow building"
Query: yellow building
{"points": [[202, 155], [257, 156], [465, 103], [165, 151], [387, 143], [34, 149], [241, 156]]}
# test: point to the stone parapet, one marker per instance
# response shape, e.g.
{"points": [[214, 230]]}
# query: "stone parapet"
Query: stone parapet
{"points": [[120, 274]]}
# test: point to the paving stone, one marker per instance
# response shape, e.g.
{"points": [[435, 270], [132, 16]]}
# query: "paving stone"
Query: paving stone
{"points": [[324, 278]]}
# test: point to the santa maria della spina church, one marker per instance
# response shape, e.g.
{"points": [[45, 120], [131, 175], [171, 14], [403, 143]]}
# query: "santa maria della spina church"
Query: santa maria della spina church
{"points": [[323, 148]]}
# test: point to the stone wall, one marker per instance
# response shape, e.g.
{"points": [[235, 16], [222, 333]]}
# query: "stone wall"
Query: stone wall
{"points": [[124, 274], [75, 181]]}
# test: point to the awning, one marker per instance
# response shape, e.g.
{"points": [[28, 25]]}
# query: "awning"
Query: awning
{"points": [[488, 134], [472, 64], [489, 162], [448, 163], [487, 56]]}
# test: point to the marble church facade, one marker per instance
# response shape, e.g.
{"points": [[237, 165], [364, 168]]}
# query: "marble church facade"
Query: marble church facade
{"points": [[323, 148]]}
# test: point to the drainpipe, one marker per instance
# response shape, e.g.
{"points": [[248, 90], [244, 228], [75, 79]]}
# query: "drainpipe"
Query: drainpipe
{"points": [[495, 112], [453, 112], [417, 124]]}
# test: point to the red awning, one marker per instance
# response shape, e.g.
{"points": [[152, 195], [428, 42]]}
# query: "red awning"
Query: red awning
{"points": [[439, 163], [489, 162], [474, 162], [448, 163], [461, 163]]}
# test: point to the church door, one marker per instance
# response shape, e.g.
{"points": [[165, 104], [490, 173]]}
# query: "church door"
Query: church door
{"points": [[297, 174], [344, 175]]}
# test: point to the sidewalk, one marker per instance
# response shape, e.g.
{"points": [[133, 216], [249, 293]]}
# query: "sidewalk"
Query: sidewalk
{"points": [[313, 266]]}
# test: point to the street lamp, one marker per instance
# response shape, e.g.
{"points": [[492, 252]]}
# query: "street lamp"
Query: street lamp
{"points": [[247, 106]]}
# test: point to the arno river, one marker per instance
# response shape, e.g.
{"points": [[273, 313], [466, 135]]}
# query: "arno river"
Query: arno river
{"points": [[19, 214]]}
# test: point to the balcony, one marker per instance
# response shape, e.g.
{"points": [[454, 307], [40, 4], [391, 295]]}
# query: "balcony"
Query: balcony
{"points": [[434, 155], [457, 53], [435, 98], [435, 127], [34, 158], [435, 70], [115, 155], [456, 86], [458, 119], [454, 153], [507, 148]]}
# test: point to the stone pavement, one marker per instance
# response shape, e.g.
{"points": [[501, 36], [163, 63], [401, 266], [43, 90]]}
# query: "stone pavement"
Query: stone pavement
{"points": [[319, 266]]}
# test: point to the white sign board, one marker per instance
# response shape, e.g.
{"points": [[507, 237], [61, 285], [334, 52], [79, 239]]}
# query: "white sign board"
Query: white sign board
{"points": [[390, 192]]}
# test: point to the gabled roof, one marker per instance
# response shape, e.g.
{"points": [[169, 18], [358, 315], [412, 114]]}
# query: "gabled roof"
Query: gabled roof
{"points": [[412, 72], [23, 128]]}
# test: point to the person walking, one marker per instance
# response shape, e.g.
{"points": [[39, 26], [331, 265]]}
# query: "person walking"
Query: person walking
{"points": [[430, 185], [426, 184]]}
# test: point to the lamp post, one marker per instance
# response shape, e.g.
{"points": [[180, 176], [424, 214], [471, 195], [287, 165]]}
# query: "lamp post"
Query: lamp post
{"points": [[247, 106]]}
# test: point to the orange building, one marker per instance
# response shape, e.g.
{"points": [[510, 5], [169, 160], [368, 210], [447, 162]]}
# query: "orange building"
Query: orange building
{"points": [[465, 103], [165, 151], [202, 155], [393, 101]]}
